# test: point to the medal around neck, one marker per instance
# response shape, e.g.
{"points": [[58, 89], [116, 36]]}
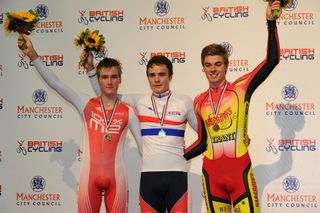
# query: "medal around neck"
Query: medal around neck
{"points": [[216, 127], [107, 137], [162, 133]]}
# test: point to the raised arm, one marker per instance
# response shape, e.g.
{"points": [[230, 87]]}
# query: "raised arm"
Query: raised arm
{"points": [[50, 78], [263, 70]]}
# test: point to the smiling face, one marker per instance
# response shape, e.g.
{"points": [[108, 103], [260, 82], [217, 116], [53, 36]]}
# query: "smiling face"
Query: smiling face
{"points": [[159, 78], [215, 69], [109, 80]]}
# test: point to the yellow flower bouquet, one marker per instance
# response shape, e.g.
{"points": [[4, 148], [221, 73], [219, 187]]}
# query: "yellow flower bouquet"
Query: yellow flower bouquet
{"points": [[283, 4], [90, 41], [21, 22]]}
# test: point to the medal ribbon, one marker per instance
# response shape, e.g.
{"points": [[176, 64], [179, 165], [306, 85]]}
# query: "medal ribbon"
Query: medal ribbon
{"points": [[164, 110], [216, 110], [106, 120]]}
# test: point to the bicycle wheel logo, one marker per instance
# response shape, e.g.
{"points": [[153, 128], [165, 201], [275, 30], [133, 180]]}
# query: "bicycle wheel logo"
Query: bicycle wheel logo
{"points": [[83, 19], [21, 149], [143, 58], [22, 62]]}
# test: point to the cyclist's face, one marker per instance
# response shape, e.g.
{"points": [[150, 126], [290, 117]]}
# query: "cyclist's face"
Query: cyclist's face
{"points": [[159, 79], [215, 70], [109, 80]]}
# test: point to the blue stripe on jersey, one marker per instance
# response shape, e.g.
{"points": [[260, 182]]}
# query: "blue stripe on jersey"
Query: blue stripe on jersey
{"points": [[171, 132]]}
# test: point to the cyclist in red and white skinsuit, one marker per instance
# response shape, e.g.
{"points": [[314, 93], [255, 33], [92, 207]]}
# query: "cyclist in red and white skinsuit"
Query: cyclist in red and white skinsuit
{"points": [[106, 120], [163, 116]]}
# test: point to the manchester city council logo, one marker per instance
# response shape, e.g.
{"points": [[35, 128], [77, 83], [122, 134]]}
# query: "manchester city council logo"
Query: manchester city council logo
{"points": [[291, 184], [37, 183], [293, 5], [39, 96], [42, 10], [289, 92], [228, 47], [161, 8]]}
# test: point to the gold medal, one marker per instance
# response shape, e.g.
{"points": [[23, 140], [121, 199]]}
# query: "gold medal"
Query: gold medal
{"points": [[162, 133], [216, 127]]}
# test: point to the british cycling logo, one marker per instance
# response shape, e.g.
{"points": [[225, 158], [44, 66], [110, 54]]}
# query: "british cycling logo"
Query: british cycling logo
{"points": [[101, 16], [230, 12], [39, 96], [291, 145], [291, 184], [47, 26], [289, 92], [297, 54], [161, 8], [42, 10], [39, 146], [22, 63], [176, 57], [56, 60], [37, 184]]}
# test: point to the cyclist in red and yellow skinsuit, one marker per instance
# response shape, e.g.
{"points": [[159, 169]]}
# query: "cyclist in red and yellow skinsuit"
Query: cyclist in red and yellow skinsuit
{"points": [[222, 113]]}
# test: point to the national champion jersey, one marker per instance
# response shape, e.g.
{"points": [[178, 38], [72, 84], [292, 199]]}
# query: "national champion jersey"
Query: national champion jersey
{"points": [[224, 115], [164, 151]]}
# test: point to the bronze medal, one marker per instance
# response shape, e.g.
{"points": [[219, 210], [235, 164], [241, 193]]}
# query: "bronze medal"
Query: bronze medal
{"points": [[216, 127]]}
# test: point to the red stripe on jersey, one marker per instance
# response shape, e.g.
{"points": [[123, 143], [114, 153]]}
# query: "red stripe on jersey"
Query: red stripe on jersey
{"points": [[156, 120]]}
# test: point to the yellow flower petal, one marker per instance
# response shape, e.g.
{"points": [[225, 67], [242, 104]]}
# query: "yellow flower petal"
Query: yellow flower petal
{"points": [[6, 25]]}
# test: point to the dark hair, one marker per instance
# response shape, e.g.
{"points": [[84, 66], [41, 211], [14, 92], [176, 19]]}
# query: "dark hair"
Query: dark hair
{"points": [[160, 60], [214, 49], [108, 63]]}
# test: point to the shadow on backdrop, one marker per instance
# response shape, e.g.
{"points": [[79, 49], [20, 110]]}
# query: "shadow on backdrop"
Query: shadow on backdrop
{"points": [[266, 173]]}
